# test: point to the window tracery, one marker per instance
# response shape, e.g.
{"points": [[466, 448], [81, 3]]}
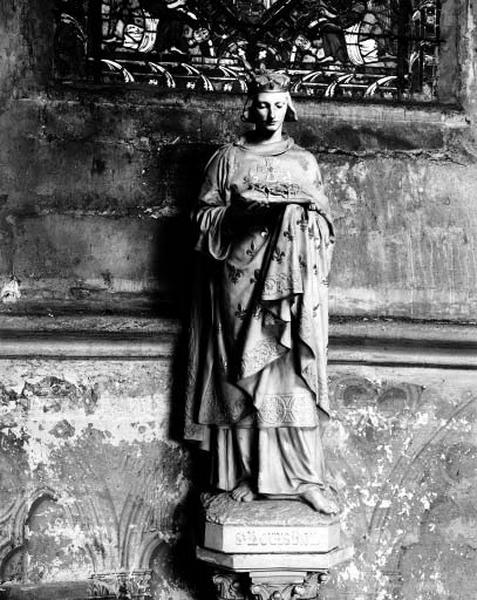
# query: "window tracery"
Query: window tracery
{"points": [[355, 49]]}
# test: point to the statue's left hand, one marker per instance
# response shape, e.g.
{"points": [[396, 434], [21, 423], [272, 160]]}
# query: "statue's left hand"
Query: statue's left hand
{"points": [[263, 210]]}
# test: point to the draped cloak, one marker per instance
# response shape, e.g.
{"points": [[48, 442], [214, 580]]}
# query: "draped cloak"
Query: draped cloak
{"points": [[259, 328]]}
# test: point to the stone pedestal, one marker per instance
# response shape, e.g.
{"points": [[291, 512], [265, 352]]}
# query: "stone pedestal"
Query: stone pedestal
{"points": [[269, 549]]}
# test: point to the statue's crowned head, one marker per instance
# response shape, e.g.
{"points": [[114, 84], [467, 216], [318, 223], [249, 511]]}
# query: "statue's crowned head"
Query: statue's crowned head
{"points": [[268, 82]]}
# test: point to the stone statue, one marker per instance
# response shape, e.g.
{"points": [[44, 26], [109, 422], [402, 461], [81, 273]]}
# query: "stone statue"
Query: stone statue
{"points": [[257, 385]]}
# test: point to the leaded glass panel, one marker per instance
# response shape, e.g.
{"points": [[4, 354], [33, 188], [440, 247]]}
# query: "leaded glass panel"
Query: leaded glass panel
{"points": [[357, 49]]}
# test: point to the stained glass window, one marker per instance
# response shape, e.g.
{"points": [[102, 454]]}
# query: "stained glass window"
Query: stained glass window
{"points": [[357, 49]]}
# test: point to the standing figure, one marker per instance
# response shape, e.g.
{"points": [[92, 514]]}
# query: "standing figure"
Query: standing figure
{"points": [[257, 385], [326, 34]]}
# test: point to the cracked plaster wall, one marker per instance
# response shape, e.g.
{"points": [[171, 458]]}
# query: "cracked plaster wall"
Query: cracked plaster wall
{"points": [[94, 191], [89, 484], [93, 480]]}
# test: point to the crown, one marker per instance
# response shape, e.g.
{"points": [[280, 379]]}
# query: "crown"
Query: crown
{"points": [[268, 81]]}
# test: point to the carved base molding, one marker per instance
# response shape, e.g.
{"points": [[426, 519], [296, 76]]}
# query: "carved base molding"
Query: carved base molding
{"points": [[354, 342]]}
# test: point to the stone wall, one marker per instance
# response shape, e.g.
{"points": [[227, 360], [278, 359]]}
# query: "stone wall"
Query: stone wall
{"points": [[97, 192], [95, 188]]}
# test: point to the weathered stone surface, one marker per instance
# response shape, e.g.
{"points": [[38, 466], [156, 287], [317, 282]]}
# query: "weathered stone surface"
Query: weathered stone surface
{"points": [[398, 442], [91, 178], [286, 562], [91, 481], [113, 488], [267, 526], [221, 509], [405, 229]]}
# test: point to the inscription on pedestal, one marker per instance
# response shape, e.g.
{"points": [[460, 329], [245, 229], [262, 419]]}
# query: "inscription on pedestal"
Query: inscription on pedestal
{"points": [[273, 537], [236, 538]]}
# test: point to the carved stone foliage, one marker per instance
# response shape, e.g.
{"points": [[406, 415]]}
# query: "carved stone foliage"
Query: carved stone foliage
{"points": [[90, 485], [404, 457], [233, 586], [125, 586], [308, 590], [230, 586]]}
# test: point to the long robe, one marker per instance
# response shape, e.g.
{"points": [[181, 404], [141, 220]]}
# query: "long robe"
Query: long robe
{"points": [[256, 383]]}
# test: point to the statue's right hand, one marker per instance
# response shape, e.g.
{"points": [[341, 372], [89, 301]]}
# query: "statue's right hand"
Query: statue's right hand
{"points": [[241, 214]]}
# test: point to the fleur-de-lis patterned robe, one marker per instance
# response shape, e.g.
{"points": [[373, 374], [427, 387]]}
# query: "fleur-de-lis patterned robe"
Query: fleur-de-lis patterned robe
{"points": [[258, 338]]}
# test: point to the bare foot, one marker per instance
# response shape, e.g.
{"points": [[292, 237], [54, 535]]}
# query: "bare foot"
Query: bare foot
{"points": [[243, 492], [318, 501]]}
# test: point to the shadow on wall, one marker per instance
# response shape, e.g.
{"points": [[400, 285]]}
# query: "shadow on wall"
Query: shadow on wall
{"points": [[180, 172], [182, 264]]}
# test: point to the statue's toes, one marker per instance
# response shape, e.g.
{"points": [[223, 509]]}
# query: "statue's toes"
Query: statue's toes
{"points": [[248, 496], [242, 493], [319, 502], [235, 494]]}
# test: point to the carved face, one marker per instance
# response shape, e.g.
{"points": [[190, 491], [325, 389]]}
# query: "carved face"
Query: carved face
{"points": [[269, 110], [302, 42]]}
